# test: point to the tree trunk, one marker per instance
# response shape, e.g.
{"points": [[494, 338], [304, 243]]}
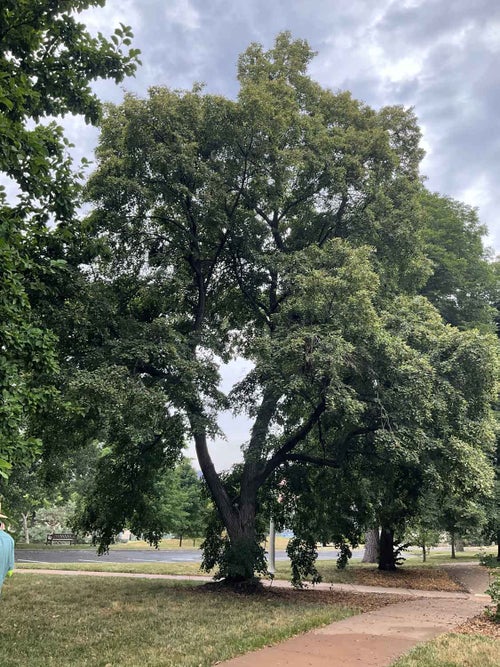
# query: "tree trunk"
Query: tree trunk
{"points": [[453, 554], [460, 544], [424, 551], [242, 559], [180, 540], [372, 546], [387, 560], [25, 528], [498, 546], [245, 555]]}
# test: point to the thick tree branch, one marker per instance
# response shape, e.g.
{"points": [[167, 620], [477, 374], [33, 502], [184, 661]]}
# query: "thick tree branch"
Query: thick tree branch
{"points": [[281, 455], [250, 480], [273, 224], [212, 479], [326, 229], [229, 215], [256, 304], [276, 233], [360, 431], [199, 285], [296, 202], [260, 428]]}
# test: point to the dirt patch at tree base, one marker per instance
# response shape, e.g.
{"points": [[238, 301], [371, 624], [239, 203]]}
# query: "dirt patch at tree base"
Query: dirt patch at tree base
{"points": [[362, 602], [414, 578]]}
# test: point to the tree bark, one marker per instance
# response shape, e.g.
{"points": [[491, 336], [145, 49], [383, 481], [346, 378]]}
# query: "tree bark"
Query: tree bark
{"points": [[453, 554], [372, 546], [386, 559], [460, 544], [498, 546]]}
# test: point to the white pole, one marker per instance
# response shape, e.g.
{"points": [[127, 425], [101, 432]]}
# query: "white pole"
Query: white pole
{"points": [[271, 558]]}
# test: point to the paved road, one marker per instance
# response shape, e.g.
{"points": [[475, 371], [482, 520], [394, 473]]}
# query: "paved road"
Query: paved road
{"points": [[55, 555]]}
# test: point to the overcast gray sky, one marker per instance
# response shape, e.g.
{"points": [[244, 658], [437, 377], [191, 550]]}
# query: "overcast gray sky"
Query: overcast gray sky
{"points": [[439, 56]]}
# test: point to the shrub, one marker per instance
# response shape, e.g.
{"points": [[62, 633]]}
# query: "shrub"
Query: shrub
{"points": [[494, 592]]}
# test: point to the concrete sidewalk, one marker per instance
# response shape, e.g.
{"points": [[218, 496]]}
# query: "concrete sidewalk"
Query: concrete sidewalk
{"points": [[374, 639], [378, 638]]}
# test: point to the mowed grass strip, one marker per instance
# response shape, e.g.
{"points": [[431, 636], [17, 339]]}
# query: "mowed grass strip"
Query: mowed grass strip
{"points": [[177, 568], [454, 650], [49, 620], [416, 578]]}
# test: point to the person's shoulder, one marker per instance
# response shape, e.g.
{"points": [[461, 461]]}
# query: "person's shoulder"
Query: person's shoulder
{"points": [[6, 537]]}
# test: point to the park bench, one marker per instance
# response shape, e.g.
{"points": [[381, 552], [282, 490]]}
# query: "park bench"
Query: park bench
{"points": [[61, 537]]}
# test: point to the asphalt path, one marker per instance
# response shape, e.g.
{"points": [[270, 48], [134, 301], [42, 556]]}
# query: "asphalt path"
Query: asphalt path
{"points": [[55, 555]]}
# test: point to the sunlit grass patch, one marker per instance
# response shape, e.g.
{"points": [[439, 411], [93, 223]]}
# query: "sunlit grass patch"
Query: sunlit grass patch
{"points": [[454, 650]]}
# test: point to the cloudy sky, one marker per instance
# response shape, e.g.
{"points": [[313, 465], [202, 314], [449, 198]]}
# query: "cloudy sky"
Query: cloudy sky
{"points": [[440, 57]]}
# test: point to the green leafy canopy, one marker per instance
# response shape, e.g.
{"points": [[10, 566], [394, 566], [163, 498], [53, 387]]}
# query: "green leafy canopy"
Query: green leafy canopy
{"points": [[48, 61]]}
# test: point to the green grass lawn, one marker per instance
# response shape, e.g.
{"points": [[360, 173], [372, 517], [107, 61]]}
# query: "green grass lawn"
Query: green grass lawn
{"points": [[443, 556], [180, 568], [59, 621], [454, 650], [407, 577]]}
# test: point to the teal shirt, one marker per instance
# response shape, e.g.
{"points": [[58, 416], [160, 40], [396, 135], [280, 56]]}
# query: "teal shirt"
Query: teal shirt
{"points": [[6, 555]]}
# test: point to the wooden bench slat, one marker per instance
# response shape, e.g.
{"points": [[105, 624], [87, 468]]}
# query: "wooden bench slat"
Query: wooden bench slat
{"points": [[61, 537]]}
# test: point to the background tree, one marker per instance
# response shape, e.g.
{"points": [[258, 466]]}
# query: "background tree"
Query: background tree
{"points": [[492, 528], [169, 502], [43, 485], [372, 546], [195, 507], [463, 285], [424, 530], [53, 517], [430, 427], [47, 63], [458, 515], [23, 494]]}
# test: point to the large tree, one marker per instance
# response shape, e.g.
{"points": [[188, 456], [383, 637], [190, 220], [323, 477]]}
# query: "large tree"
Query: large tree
{"points": [[47, 64], [429, 431], [283, 228], [461, 284]]}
